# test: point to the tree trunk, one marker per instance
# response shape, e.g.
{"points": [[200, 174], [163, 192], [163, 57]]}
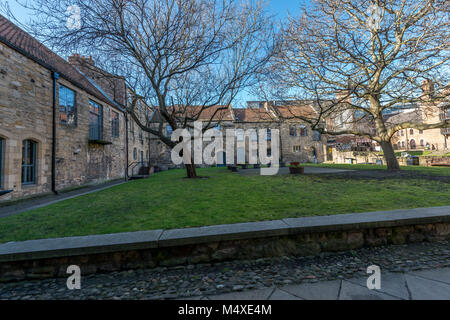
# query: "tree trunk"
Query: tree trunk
{"points": [[389, 156], [190, 170]]}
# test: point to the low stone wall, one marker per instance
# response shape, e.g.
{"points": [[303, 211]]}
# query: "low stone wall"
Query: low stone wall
{"points": [[289, 237]]}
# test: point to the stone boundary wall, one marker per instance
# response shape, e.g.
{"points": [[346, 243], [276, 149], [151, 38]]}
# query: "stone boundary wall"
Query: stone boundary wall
{"points": [[47, 258]]}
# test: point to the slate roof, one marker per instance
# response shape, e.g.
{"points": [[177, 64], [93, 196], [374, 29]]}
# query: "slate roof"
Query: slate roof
{"points": [[21, 41]]}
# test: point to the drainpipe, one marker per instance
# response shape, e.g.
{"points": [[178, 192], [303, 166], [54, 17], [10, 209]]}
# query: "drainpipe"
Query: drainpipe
{"points": [[126, 145], [55, 77]]}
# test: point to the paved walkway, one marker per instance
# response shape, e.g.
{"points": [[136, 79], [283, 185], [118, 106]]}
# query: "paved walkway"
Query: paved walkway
{"points": [[413, 271], [418, 285], [34, 203], [285, 170]]}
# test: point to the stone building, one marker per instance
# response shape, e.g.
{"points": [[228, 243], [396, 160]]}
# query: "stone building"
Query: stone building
{"points": [[62, 124], [355, 149], [298, 142]]}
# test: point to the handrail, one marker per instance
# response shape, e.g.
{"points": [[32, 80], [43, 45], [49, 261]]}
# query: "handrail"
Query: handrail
{"points": [[3, 192], [133, 165]]}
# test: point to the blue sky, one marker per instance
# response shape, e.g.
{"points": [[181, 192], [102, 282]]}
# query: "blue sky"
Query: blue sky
{"points": [[278, 7]]}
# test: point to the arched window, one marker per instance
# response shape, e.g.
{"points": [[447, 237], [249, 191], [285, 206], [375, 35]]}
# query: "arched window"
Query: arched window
{"points": [[135, 154], [29, 148], [422, 143], [412, 144]]}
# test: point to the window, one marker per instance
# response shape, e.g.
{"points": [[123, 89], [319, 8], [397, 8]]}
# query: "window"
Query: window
{"points": [[420, 131], [2, 142], [95, 121], [316, 135], [29, 162], [412, 144], [292, 131], [169, 130], [411, 131], [422, 143], [297, 149], [254, 134], [142, 156], [135, 154], [269, 135], [66, 105], [114, 124], [240, 135], [303, 131]]}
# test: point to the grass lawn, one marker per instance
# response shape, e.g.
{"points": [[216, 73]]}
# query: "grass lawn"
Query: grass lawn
{"points": [[168, 200], [438, 171]]}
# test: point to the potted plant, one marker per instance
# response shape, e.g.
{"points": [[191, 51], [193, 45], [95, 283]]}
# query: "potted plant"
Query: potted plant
{"points": [[296, 168]]}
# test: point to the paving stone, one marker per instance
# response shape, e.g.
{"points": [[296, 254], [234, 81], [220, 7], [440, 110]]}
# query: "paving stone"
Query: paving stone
{"points": [[326, 290], [442, 275], [247, 295], [424, 289], [282, 295], [350, 291], [391, 283]]}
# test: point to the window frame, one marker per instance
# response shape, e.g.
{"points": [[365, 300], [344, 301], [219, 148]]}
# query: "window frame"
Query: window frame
{"points": [[24, 179], [115, 124], [169, 131], [74, 123], [94, 104], [293, 131]]}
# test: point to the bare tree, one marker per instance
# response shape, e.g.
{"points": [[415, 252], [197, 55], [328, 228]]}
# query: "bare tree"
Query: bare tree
{"points": [[358, 59], [180, 57]]}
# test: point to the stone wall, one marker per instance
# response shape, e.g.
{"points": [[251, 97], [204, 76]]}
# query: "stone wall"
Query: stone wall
{"points": [[26, 97], [302, 244]]}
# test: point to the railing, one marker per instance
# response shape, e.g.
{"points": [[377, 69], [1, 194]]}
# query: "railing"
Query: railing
{"points": [[135, 167], [94, 132], [445, 131]]}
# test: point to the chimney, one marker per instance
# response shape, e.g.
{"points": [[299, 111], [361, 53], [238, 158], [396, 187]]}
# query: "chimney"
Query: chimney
{"points": [[344, 96], [428, 88], [76, 59]]}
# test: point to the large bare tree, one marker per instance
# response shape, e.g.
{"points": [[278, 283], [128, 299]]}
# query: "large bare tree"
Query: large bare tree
{"points": [[175, 54], [361, 58]]}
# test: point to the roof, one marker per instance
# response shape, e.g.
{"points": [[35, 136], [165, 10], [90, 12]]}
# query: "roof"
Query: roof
{"points": [[253, 115], [199, 113], [24, 43], [297, 111]]}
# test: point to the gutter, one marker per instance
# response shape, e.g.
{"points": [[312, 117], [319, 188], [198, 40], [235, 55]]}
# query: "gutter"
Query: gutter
{"points": [[55, 77], [126, 146]]}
